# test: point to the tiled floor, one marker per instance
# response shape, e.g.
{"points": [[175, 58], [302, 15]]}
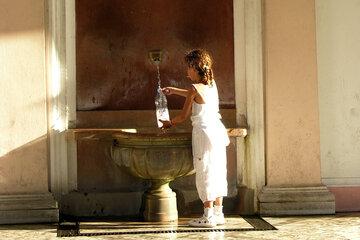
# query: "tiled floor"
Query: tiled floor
{"points": [[340, 226]]}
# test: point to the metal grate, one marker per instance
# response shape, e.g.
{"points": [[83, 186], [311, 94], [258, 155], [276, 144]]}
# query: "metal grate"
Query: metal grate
{"points": [[73, 229], [258, 223]]}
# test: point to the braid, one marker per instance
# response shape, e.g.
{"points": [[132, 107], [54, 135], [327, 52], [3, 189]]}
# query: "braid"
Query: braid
{"points": [[201, 61]]}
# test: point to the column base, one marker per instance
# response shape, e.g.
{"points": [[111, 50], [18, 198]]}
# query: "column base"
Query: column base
{"points": [[31, 208], [296, 201]]}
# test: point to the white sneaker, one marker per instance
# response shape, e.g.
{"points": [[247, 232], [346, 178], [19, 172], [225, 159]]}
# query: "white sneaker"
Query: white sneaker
{"points": [[203, 222], [219, 219]]}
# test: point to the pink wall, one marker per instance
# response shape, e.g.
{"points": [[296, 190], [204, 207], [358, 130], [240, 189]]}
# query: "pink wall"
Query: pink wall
{"points": [[291, 107], [347, 199], [114, 37]]}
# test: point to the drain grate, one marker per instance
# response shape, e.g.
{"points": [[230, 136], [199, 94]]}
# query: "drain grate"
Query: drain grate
{"points": [[68, 229], [72, 229], [258, 223]]}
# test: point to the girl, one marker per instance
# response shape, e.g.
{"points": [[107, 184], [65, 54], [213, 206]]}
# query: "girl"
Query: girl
{"points": [[209, 136]]}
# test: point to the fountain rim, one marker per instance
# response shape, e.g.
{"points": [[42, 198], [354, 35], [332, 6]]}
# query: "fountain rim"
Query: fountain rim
{"points": [[152, 139]]}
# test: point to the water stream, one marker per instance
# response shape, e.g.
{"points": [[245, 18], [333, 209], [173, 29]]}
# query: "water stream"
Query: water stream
{"points": [[162, 111]]}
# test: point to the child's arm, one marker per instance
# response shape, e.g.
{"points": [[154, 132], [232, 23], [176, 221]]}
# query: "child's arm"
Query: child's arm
{"points": [[176, 91], [185, 113]]}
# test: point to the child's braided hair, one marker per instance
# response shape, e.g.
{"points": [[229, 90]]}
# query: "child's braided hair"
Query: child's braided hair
{"points": [[201, 61]]}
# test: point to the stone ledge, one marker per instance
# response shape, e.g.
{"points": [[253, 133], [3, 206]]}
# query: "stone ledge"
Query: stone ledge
{"points": [[108, 133], [296, 201], [28, 208]]}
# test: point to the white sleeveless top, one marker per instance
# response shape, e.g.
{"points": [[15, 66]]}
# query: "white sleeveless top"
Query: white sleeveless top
{"points": [[206, 117]]}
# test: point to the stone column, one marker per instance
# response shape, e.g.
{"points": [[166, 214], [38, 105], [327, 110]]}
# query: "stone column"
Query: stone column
{"points": [[293, 177]]}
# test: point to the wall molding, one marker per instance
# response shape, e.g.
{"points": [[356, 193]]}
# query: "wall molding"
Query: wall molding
{"points": [[61, 93], [249, 97], [341, 181], [29, 208]]}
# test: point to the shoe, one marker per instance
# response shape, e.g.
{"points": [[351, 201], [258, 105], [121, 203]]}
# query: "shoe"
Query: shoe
{"points": [[219, 219], [203, 222]]}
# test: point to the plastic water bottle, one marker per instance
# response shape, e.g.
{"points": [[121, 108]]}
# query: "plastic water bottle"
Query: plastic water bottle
{"points": [[162, 111]]}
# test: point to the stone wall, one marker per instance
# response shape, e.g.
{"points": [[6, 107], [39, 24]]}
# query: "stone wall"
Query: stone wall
{"points": [[338, 47], [24, 188]]}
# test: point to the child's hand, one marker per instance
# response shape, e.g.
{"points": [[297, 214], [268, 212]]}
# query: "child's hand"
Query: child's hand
{"points": [[167, 91], [166, 124]]}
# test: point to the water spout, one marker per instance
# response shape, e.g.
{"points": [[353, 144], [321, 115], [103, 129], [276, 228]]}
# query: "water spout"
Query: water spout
{"points": [[155, 57]]}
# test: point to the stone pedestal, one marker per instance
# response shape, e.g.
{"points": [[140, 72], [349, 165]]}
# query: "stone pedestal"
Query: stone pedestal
{"points": [[34, 208], [160, 203], [296, 201]]}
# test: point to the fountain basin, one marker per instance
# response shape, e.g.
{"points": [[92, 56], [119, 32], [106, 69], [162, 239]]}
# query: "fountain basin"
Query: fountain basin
{"points": [[159, 158]]}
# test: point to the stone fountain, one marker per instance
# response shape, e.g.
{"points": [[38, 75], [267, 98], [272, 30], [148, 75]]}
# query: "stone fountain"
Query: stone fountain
{"points": [[158, 157]]}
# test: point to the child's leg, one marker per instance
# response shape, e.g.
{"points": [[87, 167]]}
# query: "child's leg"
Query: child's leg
{"points": [[208, 204], [208, 208], [208, 219], [218, 201], [218, 211], [218, 208]]}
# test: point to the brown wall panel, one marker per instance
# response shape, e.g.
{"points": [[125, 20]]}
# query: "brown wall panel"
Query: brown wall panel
{"points": [[113, 38]]}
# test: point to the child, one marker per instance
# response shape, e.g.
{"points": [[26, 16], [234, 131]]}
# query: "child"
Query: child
{"points": [[209, 136]]}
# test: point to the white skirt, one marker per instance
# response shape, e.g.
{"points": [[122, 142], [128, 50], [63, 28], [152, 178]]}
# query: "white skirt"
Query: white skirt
{"points": [[210, 166]]}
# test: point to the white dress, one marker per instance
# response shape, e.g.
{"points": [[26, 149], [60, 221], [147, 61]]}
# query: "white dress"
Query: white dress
{"points": [[209, 141]]}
